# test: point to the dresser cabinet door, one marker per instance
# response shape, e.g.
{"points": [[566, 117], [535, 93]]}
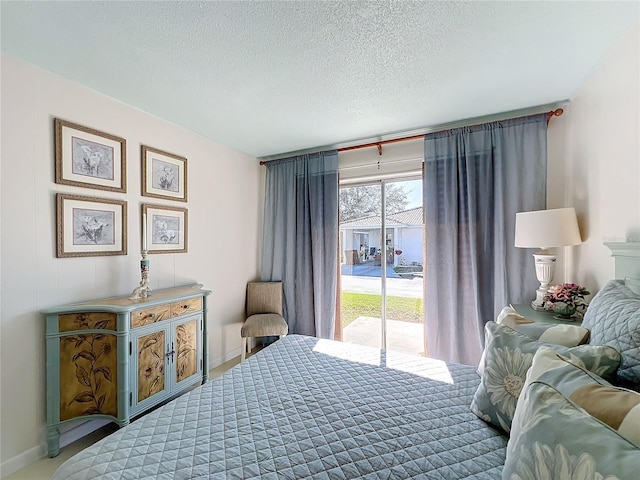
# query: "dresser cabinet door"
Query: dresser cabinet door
{"points": [[88, 375], [166, 356], [188, 358], [151, 349]]}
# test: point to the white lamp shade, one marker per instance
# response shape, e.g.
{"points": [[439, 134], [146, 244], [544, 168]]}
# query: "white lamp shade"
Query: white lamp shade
{"points": [[547, 228]]}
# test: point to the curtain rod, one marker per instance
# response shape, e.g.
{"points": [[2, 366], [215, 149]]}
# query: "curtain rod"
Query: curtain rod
{"points": [[556, 112]]}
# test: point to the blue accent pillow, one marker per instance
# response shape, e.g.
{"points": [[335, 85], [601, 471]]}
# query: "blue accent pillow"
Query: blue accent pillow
{"points": [[613, 317], [508, 355]]}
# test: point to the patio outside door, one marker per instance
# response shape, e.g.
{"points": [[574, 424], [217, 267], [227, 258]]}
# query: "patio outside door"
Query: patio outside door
{"points": [[381, 285]]}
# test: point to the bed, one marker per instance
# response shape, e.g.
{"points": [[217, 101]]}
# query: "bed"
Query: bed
{"points": [[309, 408]]}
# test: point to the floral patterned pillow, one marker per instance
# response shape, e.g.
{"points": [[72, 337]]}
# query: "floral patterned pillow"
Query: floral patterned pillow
{"points": [[567, 335], [508, 355], [558, 334], [572, 424]]}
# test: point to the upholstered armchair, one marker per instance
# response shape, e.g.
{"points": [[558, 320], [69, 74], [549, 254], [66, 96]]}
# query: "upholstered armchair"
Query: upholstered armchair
{"points": [[264, 313]]}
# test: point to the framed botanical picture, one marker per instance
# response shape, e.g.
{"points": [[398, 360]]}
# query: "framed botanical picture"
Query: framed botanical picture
{"points": [[164, 175], [165, 228], [90, 226], [88, 158]]}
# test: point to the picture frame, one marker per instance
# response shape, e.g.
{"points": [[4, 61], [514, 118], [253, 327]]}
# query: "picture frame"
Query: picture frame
{"points": [[90, 226], [88, 158], [166, 228], [164, 175]]}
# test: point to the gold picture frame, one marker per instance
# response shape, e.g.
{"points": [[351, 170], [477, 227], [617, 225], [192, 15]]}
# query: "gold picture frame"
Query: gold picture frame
{"points": [[90, 226], [164, 175], [166, 228], [88, 158]]}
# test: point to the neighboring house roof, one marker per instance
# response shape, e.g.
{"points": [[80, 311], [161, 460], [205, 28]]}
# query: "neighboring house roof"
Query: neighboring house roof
{"points": [[406, 218], [413, 216]]}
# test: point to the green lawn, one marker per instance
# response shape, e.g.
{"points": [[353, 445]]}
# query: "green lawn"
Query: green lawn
{"points": [[403, 309]]}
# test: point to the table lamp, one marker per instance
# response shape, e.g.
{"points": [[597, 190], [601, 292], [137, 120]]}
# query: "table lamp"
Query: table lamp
{"points": [[545, 229]]}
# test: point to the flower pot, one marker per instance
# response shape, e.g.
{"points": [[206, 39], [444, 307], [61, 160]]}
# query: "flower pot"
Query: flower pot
{"points": [[564, 310]]}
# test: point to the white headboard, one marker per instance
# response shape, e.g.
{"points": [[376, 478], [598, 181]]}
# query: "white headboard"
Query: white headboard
{"points": [[627, 258]]}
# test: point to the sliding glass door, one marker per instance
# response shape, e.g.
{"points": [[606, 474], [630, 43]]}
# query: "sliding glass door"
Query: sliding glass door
{"points": [[381, 297]]}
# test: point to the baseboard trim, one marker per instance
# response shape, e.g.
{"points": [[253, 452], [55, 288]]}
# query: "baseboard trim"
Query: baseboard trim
{"points": [[36, 453], [217, 361], [21, 460]]}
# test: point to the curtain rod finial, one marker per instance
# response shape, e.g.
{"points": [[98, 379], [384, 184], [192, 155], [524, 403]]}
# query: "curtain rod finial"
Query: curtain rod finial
{"points": [[554, 113]]}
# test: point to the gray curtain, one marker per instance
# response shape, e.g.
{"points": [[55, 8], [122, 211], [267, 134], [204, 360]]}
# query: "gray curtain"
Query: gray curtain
{"points": [[300, 239], [475, 181]]}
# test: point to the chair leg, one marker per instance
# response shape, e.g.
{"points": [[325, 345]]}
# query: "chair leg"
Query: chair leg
{"points": [[244, 348], [281, 337], [249, 342]]}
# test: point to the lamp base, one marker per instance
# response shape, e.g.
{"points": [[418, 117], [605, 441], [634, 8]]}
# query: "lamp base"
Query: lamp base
{"points": [[536, 306], [545, 266]]}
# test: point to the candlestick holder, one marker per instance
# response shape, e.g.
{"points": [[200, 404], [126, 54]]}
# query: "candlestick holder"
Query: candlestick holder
{"points": [[143, 290]]}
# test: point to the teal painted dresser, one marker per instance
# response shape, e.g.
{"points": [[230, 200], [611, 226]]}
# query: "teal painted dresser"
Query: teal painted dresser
{"points": [[115, 358]]}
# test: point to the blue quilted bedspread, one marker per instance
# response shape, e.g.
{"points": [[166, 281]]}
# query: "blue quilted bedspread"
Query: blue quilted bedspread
{"points": [[309, 408]]}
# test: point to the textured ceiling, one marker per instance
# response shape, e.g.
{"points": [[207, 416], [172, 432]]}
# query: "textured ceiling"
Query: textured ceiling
{"points": [[273, 77]]}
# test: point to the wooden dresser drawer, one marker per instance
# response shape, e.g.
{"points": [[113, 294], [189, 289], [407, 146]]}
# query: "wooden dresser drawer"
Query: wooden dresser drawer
{"points": [[186, 306], [78, 321], [148, 315]]}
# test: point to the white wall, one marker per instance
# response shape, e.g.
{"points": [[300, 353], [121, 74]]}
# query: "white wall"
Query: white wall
{"points": [[225, 211], [409, 240], [594, 161]]}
